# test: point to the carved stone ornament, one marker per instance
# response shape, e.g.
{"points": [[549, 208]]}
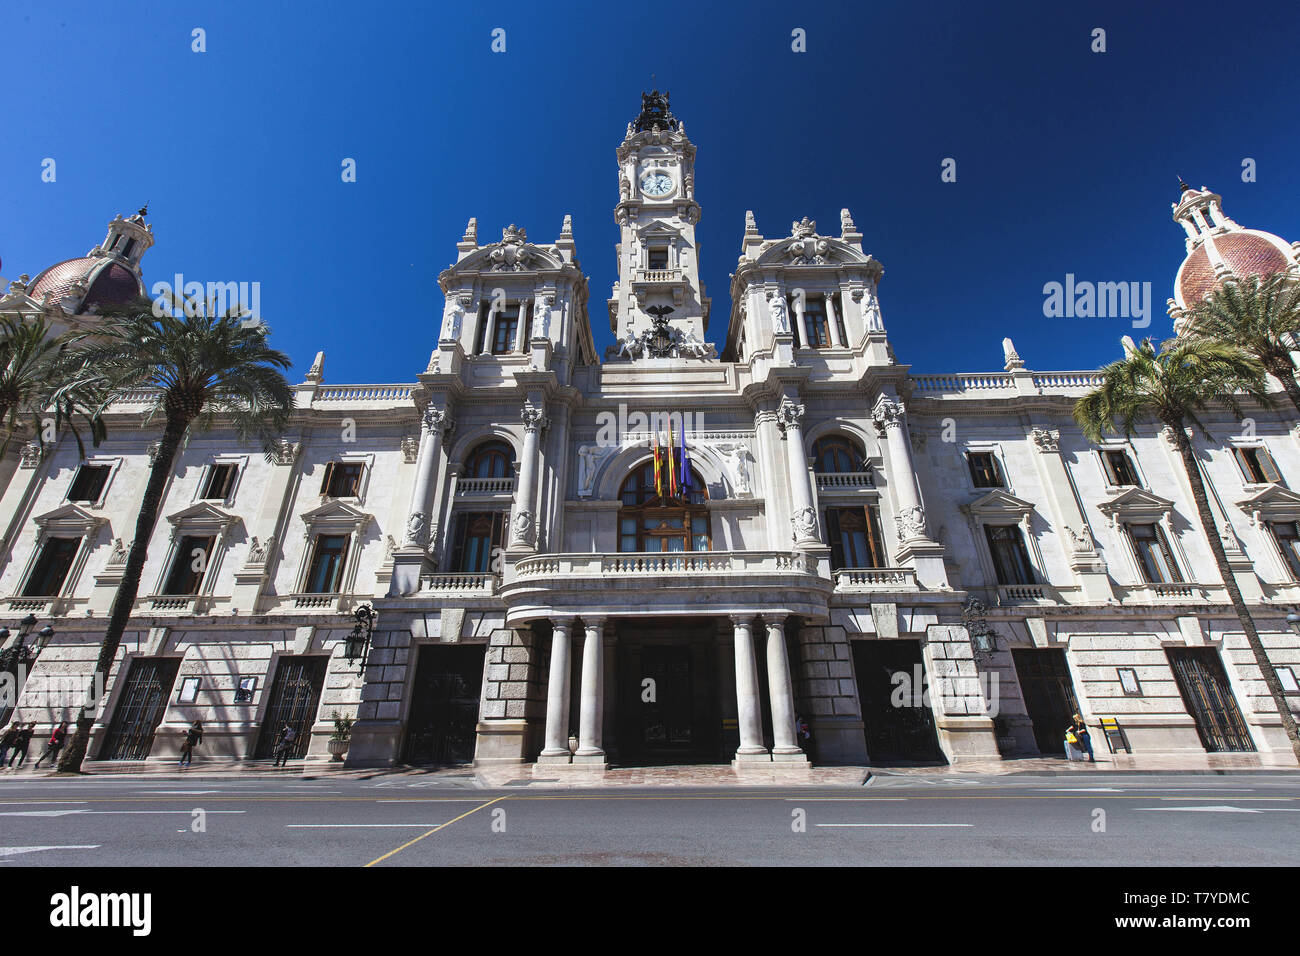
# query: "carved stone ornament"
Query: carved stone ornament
{"points": [[534, 418], [436, 419], [117, 556], [510, 254], [258, 551], [788, 414], [452, 320], [804, 521], [1082, 540], [887, 413], [284, 452], [911, 523], [410, 448], [776, 307], [1046, 439], [738, 458], [522, 527], [154, 448], [31, 456], [415, 529], [543, 324]]}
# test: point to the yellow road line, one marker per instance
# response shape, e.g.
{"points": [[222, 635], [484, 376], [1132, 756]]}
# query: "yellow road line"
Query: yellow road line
{"points": [[436, 829]]}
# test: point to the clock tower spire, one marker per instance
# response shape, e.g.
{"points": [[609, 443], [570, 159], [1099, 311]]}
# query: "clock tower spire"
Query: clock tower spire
{"points": [[658, 257]]}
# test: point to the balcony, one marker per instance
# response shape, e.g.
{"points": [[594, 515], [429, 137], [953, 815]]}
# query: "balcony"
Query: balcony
{"points": [[484, 487], [844, 481], [1027, 594], [1169, 593], [464, 583], [714, 583], [176, 603], [875, 579]]}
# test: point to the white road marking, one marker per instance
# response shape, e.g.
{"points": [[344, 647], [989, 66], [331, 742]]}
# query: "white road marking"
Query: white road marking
{"points": [[64, 813], [1223, 809], [1238, 799], [431, 800], [357, 826], [894, 824], [1082, 790], [845, 799], [14, 850], [37, 803]]}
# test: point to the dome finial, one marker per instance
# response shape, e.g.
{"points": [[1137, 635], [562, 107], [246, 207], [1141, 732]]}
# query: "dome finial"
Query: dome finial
{"points": [[1182, 186]]}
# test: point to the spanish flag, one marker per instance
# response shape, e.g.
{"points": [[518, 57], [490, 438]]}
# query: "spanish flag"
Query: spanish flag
{"points": [[659, 475]]}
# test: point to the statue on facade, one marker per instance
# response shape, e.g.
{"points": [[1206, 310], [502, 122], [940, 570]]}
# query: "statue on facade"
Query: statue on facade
{"points": [[451, 320], [780, 314], [586, 469]]}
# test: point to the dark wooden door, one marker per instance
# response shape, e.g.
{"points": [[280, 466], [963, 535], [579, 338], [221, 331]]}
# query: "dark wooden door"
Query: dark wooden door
{"points": [[1209, 698], [444, 704], [894, 732], [140, 708], [667, 718], [295, 697], [1045, 684]]}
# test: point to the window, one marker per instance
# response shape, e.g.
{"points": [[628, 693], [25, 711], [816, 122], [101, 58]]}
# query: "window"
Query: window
{"points": [[984, 470], [220, 481], [51, 568], [504, 330], [326, 570], [189, 564], [657, 257], [494, 459], [836, 454], [1286, 677], [650, 522], [856, 539], [342, 479], [1010, 559], [1257, 465], [1119, 467], [88, 485], [1287, 536], [1153, 553], [477, 534], [814, 319]]}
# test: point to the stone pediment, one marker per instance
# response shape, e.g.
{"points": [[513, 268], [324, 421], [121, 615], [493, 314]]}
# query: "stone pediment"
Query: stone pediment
{"points": [[1274, 503], [1000, 503], [69, 517], [336, 515], [1136, 503], [509, 255], [203, 515]]}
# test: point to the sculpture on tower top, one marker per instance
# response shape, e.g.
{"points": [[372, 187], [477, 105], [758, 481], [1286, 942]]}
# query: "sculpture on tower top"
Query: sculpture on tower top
{"points": [[655, 112]]}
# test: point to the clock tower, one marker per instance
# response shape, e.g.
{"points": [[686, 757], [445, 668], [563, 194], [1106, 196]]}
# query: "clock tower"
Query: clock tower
{"points": [[658, 299]]}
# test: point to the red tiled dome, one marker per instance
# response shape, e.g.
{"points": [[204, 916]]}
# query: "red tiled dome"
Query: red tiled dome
{"points": [[111, 283], [1246, 252]]}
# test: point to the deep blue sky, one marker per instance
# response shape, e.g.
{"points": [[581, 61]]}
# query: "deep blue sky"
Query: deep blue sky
{"points": [[1066, 159]]}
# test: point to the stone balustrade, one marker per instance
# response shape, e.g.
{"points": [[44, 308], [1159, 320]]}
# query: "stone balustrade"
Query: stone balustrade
{"points": [[875, 579]]}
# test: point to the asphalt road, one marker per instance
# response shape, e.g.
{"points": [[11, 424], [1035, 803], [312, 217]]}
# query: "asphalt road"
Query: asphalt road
{"points": [[1182, 820]]}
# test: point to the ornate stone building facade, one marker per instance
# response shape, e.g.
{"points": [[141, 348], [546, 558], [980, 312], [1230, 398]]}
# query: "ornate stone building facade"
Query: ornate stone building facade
{"points": [[912, 566]]}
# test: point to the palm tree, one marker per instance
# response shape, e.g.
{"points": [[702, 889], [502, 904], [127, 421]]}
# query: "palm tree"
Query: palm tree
{"points": [[199, 366], [40, 373], [1259, 316], [1173, 385]]}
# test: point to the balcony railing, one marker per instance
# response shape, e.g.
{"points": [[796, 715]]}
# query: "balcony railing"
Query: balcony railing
{"points": [[459, 583], [658, 275], [485, 486], [845, 480], [650, 564], [315, 602], [875, 579], [1026, 594]]}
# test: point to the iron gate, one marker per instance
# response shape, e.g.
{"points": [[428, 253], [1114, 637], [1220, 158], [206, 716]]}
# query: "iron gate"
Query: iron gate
{"points": [[1209, 699], [444, 704], [140, 709], [894, 732], [1045, 684], [295, 695]]}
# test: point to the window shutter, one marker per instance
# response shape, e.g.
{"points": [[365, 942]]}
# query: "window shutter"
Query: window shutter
{"points": [[338, 568], [833, 530], [876, 539], [1269, 466], [1168, 553], [325, 482], [996, 469], [458, 542], [1024, 555]]}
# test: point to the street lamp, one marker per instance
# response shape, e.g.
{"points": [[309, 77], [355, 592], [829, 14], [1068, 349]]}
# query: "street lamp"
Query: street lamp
{"points": [[22, 653], [982, 637], [357, 645]]}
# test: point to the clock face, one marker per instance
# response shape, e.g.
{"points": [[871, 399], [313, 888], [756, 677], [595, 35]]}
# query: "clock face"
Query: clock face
{"points": [[656, 184]]}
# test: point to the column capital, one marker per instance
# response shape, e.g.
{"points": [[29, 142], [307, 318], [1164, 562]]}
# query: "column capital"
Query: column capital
{"points": [[742, 620], [888, 413], [771, 619], [789, 413], [562, 624], [533, 417], [596, 622], [1046, 439], [437, 420]]}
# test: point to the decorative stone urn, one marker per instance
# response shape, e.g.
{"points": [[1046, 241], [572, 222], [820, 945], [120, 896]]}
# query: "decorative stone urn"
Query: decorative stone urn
{"points": [[337, 748]]}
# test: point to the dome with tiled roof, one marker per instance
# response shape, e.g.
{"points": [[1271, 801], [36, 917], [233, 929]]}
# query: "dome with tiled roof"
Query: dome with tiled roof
{"points": [[1218, 248], [106, 276]]}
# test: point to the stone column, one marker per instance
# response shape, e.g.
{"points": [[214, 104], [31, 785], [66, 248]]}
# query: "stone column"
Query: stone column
{"points": [[833, 321], [747, 702], [591, 710], [888, 414], [408, 560], [800, 324], [523, 528], [803, 516], [781, 691], [521, 342], [556, 749]]}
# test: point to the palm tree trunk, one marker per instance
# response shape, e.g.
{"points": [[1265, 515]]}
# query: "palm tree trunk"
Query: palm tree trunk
{"points": [[1282, 370], [124, 601], [1211, 528]]}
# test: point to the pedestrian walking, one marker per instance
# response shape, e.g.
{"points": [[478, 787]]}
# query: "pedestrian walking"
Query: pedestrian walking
{"points": [[804, 734], [193, 737], [21, 743], [1082, 738], [53, 746], [284, 746], [7, 740]]}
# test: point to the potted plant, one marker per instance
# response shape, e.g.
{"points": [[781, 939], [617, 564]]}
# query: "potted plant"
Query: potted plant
{"points": [[338, 742]]}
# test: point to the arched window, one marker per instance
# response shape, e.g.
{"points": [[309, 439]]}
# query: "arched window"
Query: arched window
{"points": [[493, 459], [658, 523], [837, 454]]}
